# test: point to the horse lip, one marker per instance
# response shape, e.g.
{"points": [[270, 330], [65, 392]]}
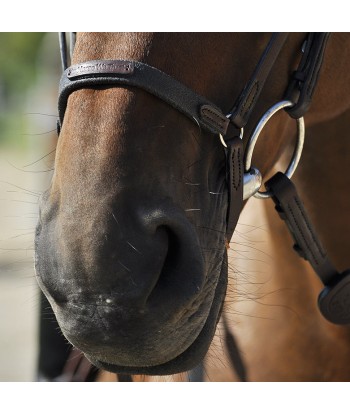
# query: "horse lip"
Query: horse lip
{"points": [[166, 368], [189, 358], [180, 363]]}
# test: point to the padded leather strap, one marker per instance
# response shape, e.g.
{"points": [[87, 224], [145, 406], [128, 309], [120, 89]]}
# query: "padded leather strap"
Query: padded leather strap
{"points": [[94, 74], [234, 172], [290, 208], [304, 80], [250, 94]]}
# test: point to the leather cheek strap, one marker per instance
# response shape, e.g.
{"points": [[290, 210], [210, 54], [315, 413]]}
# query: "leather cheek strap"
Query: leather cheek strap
{"points": [[234, 172], [304, 80]]}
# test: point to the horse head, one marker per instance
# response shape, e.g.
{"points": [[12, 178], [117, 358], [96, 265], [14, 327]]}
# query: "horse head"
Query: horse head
{"points": [[131, 241]]}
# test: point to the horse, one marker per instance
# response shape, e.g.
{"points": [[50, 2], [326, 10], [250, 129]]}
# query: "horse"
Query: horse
{"points": [[134, 231]]}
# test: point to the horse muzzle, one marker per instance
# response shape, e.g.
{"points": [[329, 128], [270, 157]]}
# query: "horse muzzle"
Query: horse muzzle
{"points": [[133, 294]]}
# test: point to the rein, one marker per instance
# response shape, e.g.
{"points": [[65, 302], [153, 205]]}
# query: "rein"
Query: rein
{"points": [[243, 180]]}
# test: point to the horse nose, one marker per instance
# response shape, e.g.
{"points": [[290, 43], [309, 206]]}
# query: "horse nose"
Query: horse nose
{"points": [[139, 255], [126, 283]]}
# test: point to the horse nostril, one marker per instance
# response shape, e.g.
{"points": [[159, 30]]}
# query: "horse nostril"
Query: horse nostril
{"points": [[169, 264], [181, 276], [173, 251]]}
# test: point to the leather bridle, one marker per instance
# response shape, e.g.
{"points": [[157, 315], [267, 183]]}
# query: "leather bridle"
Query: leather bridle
{"points": [[333, 300]]}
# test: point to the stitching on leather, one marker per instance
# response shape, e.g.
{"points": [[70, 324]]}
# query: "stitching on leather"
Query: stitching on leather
{"points": [[233, 169], [320, 250], [239, 167], [301, 231], [233, 159], [254, 88], [209, 114], [302, 234]]}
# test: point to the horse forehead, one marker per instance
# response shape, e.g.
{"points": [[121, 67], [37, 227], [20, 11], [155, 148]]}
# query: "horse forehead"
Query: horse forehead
{"points": [[137, 45], [125, 45]]}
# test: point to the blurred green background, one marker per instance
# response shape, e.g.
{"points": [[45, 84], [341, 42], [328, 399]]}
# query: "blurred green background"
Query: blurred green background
{"points": [[22, 64], [30, 69], [18, 54]]}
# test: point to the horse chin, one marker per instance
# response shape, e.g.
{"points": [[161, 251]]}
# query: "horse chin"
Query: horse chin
{"points": [[193, 355]]}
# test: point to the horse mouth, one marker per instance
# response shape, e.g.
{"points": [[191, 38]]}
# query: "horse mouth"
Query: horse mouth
{"points": [[109, 327], [188, 359]]}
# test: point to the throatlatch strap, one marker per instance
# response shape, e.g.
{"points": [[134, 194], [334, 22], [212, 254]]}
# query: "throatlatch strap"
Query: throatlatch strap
{"points": [[291, 209]]}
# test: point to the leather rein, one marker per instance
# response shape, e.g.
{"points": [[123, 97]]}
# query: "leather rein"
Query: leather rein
{"points": [[243, 180]]}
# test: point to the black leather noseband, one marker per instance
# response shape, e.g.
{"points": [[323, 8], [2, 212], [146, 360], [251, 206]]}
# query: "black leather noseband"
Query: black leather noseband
{"points": [[114, 73]]}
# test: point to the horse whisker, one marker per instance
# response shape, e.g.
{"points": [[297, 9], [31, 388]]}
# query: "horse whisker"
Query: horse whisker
{"points": [[40, 113], [25, 201], [35, 134], [132, 246], [36, 161], [124, 266]]}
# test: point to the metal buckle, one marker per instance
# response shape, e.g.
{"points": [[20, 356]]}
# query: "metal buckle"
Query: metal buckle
{"points": [[241, 132], [254, 137]]}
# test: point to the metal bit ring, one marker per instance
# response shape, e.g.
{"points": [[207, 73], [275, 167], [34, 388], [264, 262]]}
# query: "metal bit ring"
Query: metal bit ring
{"points": [[254, 137]]}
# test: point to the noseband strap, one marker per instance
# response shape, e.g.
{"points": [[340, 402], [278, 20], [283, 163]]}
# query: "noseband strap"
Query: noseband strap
{"points": [[110, 73]]}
